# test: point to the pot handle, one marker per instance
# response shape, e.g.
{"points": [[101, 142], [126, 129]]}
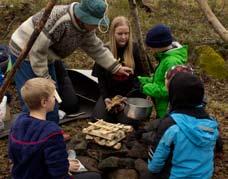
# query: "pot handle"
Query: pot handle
{"points": [[132, 91]]}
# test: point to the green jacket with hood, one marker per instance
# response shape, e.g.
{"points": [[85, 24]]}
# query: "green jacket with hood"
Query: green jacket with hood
{"points": [[154, 86]]}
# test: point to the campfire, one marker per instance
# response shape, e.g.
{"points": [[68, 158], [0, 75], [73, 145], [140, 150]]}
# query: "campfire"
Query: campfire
{"points": [[107, 134], [111, 149]]}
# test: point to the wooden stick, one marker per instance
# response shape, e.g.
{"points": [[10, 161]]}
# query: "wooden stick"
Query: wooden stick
{"points": [[25, 51], [138, 31]]}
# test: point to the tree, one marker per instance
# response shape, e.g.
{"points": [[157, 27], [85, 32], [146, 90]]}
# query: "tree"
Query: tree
{"points": [[138, 31], [213, 20]]}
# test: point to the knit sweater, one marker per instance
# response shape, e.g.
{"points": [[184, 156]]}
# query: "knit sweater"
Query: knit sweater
{"points": [[37, 149], [60, 37]]}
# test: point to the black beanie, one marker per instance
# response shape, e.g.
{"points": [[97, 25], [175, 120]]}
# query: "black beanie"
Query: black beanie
{"points": [[159, 36], [185, 91]]}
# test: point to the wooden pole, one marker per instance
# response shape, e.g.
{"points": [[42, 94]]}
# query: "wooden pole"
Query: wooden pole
{"points": [[138, 31], [25, 51]]}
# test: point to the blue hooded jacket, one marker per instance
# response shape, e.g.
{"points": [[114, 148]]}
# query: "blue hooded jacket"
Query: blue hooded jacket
{"points": [[193, 154], [191, 140], [37, 149]]}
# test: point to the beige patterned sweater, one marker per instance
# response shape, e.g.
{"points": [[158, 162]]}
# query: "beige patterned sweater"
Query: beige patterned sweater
{"points": [[60, 37]]}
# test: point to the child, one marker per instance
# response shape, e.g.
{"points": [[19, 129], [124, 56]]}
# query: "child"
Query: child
{"points": [[36, 146], [168, 54], [187, 136]]}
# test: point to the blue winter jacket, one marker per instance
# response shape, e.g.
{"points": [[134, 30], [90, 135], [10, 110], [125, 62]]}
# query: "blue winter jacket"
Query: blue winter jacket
{"points": [[37, 149], [192, 141]]}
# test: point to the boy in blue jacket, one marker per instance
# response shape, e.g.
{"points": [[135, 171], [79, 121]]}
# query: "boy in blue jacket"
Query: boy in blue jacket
{"points": [[36, 146], [186, 138]]}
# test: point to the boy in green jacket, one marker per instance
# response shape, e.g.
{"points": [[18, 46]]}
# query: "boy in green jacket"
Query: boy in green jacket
{"points": [[168, 53]]}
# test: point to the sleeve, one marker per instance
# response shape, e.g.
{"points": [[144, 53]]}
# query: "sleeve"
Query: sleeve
{"points": [[9, 147], [38, 56], [145, 79], [162, 151], [100, 73], [94, 47], [163, 125], [56, 157], [157, 89]]}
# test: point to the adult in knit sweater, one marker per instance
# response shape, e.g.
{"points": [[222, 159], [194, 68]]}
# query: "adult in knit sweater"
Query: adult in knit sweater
{"points": [[68, 28]]}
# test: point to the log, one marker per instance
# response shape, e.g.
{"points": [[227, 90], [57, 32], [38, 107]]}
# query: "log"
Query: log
{"points": [[138, 31], [25, 51], [213, 20]]}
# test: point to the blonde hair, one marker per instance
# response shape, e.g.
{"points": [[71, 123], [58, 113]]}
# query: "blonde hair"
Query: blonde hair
{"points": [[128, 53], [36, 89]]}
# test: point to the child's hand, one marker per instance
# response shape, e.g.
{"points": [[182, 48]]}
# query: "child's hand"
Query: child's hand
{"points": [[73, 165]]}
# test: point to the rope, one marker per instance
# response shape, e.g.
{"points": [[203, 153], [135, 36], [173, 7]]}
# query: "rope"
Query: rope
{"points": [[105, 20]]}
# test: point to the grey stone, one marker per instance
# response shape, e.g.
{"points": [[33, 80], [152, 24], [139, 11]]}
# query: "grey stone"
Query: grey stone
{"points": [[89, 163], [115, 162], [122, 174]]}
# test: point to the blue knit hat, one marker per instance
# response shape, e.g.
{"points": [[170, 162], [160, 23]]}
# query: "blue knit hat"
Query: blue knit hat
{"points": [[92, 12], [159, 36]]}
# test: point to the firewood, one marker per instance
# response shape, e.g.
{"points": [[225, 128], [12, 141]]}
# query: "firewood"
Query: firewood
{"points": [[115, 102], [117, 146], [89, 137], [111, 126], [106, 134], [99, 134]]}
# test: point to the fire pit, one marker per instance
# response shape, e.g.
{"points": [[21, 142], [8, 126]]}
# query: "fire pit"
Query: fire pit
{"points": [[107, 134], [96, 150]]}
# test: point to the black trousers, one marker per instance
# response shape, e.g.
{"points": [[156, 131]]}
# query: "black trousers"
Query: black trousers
{"points": [[70, 102], [87, 175]]}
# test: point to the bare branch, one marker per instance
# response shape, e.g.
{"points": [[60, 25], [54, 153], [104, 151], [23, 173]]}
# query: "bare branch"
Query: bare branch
{"points": [[213, 20], [138, 31]]}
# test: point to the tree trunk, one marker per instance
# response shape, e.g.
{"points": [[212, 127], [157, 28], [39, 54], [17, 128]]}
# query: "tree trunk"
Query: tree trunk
{"points": [[136, 21], [28, 47], [213, 20]]}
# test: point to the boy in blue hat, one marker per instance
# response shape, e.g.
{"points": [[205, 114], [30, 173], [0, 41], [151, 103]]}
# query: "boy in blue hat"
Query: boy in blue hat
{"points": [[168, 54], [68, 28]]}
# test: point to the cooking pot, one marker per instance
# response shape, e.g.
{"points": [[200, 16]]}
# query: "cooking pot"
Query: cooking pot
{"points": [[138, 108]]}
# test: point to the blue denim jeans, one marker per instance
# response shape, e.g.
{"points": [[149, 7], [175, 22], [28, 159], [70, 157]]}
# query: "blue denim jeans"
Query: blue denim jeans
{"points": [[24, 73]]}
